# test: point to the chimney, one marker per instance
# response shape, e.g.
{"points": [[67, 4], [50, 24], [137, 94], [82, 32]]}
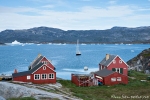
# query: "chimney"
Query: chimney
{"points": [[39, 55], [107, 56], [15, 71]]}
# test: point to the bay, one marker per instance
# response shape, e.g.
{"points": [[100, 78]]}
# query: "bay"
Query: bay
{"points": [[63, 56]]}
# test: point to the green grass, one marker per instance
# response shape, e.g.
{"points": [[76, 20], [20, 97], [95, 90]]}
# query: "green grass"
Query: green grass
{"points": [[134, 88], [146, 55]]}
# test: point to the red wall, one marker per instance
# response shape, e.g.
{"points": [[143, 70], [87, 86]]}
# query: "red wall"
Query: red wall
{"points": [[49, 64], [39, 71], [75, 80], [118, 65], [21, 78], [107, 79], [101, 67]]}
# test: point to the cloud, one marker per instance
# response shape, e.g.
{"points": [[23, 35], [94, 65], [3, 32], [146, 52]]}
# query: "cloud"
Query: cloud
{"points": [[86, 17], [86, 0], [112, 2], [17, 9], [144, 9], [48, 6]]}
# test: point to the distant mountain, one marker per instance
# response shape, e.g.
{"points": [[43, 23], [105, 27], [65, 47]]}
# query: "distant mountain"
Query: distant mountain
{"points": [[55, 35]]}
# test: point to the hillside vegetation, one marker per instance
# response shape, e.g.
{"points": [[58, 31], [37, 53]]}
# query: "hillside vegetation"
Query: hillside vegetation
{"points": [[134, 90]]}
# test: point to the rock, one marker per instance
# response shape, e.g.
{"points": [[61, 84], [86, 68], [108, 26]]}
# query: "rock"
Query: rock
{"points": [[1, 98], [141, 62], [15, 90]]}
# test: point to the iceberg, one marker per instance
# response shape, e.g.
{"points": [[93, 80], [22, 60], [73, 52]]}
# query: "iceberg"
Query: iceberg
{"points": [[16, 43]]}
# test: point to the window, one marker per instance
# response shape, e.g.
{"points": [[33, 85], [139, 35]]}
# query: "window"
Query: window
{"points": [[114, 61], [113, 79], [28, 77], [44, 76], [114, 69], [36, 76], [44, 67], [119, 70], [45, 62], [51, 76], [120, 61], [118, 78]]}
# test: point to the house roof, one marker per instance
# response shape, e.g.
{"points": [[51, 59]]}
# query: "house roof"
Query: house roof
{"points": [[104, 72], [28, 72], [35, 62], [107, 62]]}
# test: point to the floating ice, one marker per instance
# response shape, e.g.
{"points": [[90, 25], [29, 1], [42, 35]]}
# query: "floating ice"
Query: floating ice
{"points": [[16, 43]]}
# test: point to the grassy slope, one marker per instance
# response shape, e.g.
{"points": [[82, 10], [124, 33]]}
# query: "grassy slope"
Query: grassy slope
{"points": [[134, 90]]}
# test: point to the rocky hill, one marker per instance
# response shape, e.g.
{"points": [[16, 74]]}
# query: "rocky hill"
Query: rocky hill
{"points": [[39, 92], [55, 35], [141, 62]]}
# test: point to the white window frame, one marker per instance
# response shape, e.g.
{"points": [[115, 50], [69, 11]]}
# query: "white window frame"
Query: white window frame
{"points": [[120, 61], [51, 77], [28, 77], [45, 62], [101, 67], [113, 79], [44, 67], [44, 76], [119, 79], [117, 70], [114, 61], [35, 75]]}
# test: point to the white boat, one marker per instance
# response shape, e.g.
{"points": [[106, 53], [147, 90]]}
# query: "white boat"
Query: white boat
{"points": [[77, 49]]}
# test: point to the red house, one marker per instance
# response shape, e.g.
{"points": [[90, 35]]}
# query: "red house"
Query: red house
{"points": [[114, 63], [112, 70], [108, 77], [40, 71]]}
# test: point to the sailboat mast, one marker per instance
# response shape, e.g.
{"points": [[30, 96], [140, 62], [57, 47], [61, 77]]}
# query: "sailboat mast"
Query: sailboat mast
{"points": [[77, 48]]}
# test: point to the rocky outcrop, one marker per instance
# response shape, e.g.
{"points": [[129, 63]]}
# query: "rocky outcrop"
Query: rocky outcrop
{"points": [[10, 90], [141, 62], [1, 98]]}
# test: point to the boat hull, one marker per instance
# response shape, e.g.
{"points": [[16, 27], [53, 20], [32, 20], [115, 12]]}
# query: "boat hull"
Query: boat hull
{"points": [[78, 54]]}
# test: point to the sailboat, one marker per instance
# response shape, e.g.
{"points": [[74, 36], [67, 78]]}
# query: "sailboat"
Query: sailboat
{"points": [[77, 49]]}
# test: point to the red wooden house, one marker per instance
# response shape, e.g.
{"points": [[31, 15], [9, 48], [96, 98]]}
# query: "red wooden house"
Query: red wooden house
{"points": [[114, 63], [108, 77], [112, 70], [40, 71]]}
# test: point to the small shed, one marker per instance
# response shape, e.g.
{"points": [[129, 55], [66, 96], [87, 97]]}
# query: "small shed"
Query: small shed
{"points": [[82, 79], [109, 77]]}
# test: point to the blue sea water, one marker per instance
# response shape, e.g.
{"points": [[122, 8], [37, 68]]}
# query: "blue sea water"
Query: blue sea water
{"points": [[63, 56]]}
